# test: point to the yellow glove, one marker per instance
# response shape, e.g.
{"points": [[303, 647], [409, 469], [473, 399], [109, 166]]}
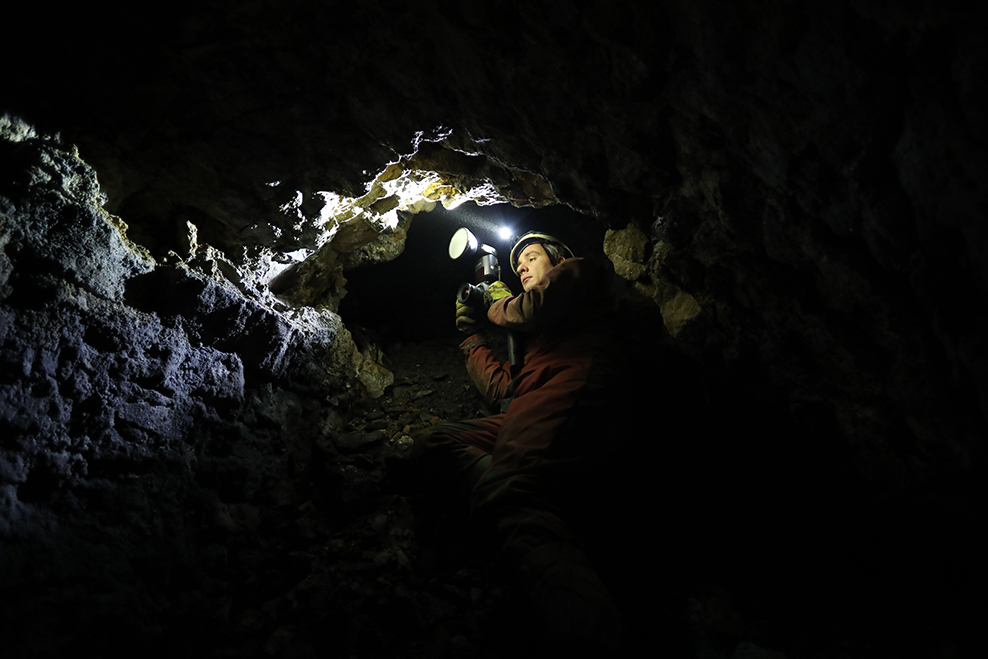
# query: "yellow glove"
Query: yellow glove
{"points": [[496, 291], [466, 318]]}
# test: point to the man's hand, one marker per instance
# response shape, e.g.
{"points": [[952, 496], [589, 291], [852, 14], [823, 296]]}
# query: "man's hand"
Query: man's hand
{"points": [[496, 291], [466, 318]]}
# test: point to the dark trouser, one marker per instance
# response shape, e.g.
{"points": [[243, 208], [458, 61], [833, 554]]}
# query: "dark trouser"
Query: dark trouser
{"points": [[518, 504], [530, 499]]}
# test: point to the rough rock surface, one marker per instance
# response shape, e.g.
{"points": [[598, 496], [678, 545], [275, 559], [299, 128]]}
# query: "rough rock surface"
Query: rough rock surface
{"points": [[810, 181]]}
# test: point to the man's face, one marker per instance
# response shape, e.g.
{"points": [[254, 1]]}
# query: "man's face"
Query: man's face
{"points": [[532, 265]]}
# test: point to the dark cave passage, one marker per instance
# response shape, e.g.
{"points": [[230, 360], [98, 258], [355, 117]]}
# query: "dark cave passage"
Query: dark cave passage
{"points": [[411, 297]]}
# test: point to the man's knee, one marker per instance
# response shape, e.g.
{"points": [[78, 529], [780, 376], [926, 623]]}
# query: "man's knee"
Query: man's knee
{"points": [[438, 439], [426, 440], [452, 436]]}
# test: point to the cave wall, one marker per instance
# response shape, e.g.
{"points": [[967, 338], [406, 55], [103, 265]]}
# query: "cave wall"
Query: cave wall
{"points": [[153, 417], [809, 179]]}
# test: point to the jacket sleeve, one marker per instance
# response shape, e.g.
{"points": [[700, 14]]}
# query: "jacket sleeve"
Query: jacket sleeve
{"points": [[491, 377], [559, 296]]}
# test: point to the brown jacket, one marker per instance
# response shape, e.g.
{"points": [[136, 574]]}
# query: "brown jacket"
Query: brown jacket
{"points": [[566, 319]]}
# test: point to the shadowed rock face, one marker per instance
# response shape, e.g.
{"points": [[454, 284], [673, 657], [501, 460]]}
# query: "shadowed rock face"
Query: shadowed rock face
{"points": [[793, 195]]}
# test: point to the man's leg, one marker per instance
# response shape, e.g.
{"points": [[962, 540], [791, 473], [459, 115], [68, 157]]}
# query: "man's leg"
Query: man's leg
{"points": [[558, 602], [546, 469], [456, 453]]}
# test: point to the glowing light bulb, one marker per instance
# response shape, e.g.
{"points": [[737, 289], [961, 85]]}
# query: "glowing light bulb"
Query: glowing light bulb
{"points": [[504, 232]]}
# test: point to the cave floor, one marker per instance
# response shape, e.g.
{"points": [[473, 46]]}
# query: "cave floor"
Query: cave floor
{"points": [[363, 569], [369, 568]]}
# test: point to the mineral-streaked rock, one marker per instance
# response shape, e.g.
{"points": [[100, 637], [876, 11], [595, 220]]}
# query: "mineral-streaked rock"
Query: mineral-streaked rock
{"points": [[627, 249]]}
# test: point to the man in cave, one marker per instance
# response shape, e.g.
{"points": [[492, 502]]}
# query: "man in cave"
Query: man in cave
{"points": [[533, 472]]}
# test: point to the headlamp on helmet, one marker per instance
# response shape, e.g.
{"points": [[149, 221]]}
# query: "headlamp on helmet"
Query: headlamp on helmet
{"points": [[553, 247]]}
